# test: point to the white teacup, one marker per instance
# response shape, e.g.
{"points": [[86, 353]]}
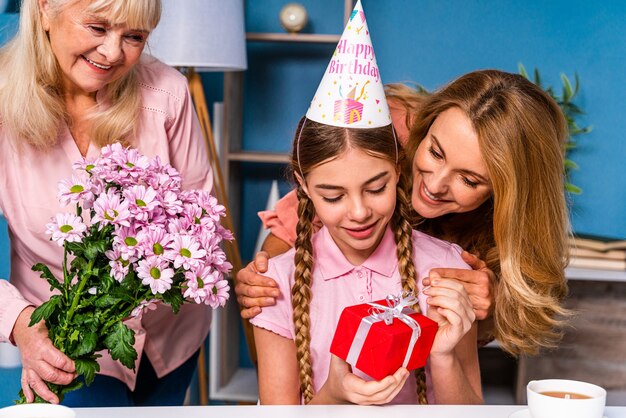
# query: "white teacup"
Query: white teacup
{"points": [[552, 398], [37, 410]]}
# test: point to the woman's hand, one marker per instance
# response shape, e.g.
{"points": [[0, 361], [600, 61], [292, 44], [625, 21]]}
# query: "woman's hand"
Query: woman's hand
{"points": [[343, 386], [449, 306], [253, 289], [479, 283], [41, 360]]}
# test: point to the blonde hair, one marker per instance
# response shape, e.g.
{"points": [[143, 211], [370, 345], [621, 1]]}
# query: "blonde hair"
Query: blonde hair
{"points": [[521, 231], [315, 144], [410, 98], [31, 97]]}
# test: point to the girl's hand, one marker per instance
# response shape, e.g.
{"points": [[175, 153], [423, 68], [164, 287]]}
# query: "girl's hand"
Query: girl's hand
{"points": [[343, 386], [479, 283], [41, 360], [449, 306], [253, 289]]}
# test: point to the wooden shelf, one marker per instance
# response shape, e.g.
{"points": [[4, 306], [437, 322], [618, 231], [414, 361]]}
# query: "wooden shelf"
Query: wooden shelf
{"points": [[259, 157], [313, 38]]}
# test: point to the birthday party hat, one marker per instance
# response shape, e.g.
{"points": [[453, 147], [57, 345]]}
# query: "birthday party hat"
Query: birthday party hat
{"points": [[351, 93]]}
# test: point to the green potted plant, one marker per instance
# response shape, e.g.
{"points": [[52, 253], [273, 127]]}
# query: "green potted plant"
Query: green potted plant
{"points": [[571, 111]]}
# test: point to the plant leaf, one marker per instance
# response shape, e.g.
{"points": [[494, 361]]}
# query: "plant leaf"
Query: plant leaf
{"points": [[174, 298], [87, 344], [47, 274], [107, 300], [120, 344], [88, 368], [567, 88], [522, 70], [573, 189], [45, 310]]}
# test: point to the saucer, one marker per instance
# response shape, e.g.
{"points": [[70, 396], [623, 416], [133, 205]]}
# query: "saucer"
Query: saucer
{"points": [[524, 413]]}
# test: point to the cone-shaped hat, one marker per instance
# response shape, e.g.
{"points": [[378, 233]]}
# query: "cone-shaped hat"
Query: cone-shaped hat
{"points": [[351, 93]]}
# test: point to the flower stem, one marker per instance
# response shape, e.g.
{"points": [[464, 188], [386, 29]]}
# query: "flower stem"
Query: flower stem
{"points": [[79, 292]]}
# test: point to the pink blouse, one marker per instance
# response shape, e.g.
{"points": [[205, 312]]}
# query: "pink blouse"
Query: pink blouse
{"points": [[29, 176], [336, 284]]}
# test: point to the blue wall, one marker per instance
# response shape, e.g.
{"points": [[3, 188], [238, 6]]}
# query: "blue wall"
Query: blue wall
{"points": [[433, 42]]}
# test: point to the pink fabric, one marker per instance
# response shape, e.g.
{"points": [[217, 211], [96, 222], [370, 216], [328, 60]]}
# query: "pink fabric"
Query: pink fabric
{"points": [[28, 182], [283, 219], [337, 284]]}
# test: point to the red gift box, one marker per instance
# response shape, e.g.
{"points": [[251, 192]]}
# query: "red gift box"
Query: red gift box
{"points": [[378, 338]]}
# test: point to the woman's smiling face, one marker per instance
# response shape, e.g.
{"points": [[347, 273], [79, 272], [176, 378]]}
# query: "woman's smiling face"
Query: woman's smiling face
{"points": [[449, 173], [91, 52]]}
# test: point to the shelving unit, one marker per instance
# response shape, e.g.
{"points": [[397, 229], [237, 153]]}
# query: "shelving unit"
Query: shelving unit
{"points": [[229, 381]]}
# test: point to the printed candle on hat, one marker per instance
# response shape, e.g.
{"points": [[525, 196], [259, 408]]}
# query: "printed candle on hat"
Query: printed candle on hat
{"points": [[351, 93]]}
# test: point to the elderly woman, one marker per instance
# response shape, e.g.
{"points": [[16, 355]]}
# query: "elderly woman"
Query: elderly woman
{"points": [[73, 80]]}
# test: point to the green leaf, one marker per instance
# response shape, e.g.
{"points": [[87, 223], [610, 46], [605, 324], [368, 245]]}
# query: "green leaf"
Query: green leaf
{"points": [[47, 274], [120, 344], [45, 310], [522, 70], [87, 344], [88, 368], [571, 165], [174, 298], [573, 189], [567, 88], [75, 385], [538, 78], [75, 248], [106, 300], [93, 249]]}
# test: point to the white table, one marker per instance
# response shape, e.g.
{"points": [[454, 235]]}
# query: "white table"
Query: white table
{"points": [[399, 411]]}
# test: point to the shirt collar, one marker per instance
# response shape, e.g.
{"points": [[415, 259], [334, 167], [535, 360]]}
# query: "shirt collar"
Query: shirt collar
{"points": [[332, 264]]}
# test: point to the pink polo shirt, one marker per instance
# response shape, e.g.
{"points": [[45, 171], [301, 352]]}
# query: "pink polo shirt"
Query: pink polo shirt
{"points": [[28, 187], [337, 284]]}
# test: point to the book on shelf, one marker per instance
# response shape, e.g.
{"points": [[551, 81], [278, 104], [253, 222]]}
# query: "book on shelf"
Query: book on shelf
{"points": [[579, 252], [597, 263], [598, 243]]}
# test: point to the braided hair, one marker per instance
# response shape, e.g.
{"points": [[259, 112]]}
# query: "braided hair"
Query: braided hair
{"points": [[314, 144]]}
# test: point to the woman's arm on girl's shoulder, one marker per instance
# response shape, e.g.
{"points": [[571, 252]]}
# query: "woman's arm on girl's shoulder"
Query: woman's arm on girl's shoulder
{"points": [[279, 382], [254, 290]]}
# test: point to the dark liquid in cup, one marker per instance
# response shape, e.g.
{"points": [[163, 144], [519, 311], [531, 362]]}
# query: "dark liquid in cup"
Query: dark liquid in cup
{"points": [[566, 395]]}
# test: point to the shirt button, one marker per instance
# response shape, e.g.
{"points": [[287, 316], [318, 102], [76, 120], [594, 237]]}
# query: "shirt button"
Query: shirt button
{"points": [[361, 298]]}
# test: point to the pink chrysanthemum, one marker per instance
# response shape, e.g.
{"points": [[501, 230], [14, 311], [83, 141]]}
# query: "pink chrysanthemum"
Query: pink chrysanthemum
{"points": [[154, 241], [185, 251], [111, 209], [141, 201], [145, 305], [66, 227], [155, 272], [126, 241], [119, 266], [74, 190], [218, 295]]}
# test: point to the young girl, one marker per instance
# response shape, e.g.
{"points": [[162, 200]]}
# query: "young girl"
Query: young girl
{"points": [[351, 179]]}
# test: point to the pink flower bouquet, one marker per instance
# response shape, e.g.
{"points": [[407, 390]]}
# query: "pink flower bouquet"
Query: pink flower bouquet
{"points": [[135, 239]]}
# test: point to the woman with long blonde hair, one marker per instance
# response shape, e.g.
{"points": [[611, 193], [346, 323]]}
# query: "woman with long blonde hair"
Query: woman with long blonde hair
{"points": [[521, 229]]}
